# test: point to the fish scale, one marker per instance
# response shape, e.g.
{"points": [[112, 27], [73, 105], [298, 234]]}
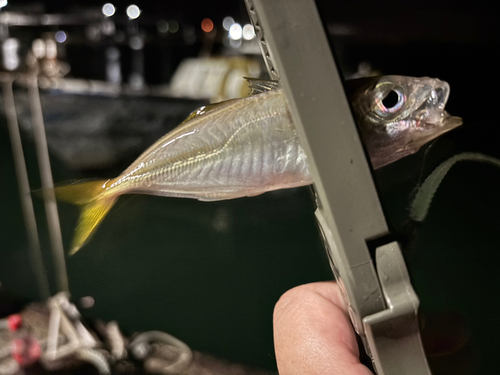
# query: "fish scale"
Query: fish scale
{"points": [[212, 160]]}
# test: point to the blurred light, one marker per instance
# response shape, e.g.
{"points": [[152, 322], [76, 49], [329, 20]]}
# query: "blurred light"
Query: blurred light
{"points": [[235, 31], [108, 9], [248, 32], [136, 43], [112, 53], [113, 69], [87, 302], [162, 26], [10, 54], [207, 25], [221, 220], [136, 81], [93, 32], [227, 22], [173, 26], [50, 49], [60, 36], [3, 3], [108, 27], [133, 12], [38, 47], [235, 43]]}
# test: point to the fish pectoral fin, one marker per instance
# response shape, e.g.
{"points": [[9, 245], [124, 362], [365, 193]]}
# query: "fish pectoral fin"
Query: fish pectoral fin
{"points": [[92, 215], [258, 86]]}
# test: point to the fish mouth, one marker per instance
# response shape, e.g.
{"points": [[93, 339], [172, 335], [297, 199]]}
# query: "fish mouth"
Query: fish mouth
{"points": [[446, 124]]}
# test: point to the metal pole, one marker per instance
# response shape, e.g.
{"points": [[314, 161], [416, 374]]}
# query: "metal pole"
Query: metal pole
{"points": [[24, 190], [47, 185]]}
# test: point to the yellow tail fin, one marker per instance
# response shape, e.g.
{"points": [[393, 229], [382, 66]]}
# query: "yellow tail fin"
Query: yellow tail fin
{"points": [[94, 205]]}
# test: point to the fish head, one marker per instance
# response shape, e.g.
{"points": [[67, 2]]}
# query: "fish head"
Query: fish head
{"points": [[397, 115]]}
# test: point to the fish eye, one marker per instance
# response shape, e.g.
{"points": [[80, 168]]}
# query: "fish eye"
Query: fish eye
{"points": [[389, 102]]}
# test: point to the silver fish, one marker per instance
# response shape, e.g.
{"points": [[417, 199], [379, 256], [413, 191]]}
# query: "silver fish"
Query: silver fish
{"points": [[245, 147]]}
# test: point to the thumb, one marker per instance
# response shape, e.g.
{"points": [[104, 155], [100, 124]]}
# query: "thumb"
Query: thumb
{"points": [[313, 334]]}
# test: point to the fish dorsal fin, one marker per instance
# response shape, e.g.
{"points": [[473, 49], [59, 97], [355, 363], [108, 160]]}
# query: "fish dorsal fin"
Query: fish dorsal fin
{"points": [[258, 86], [204, 109]]}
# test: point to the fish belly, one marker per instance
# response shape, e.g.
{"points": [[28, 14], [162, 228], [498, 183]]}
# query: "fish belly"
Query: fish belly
{"points": [[243, 149]]}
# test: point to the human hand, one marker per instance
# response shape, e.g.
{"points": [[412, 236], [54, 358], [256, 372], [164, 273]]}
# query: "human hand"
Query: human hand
{"points": [[313, 334]]}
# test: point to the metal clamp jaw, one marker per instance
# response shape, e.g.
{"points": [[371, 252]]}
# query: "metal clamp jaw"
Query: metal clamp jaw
{"points": [[395, 330], [391, 336]]}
